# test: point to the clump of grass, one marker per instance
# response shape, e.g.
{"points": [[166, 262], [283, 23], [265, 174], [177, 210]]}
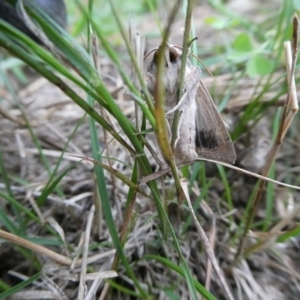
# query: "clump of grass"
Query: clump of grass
{"points": [[135, 246]]}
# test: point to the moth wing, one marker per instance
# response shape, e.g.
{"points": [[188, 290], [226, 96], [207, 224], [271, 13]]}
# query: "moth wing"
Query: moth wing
{"points": [[212, 138]]}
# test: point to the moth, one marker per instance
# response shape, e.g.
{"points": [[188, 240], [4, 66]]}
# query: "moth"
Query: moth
{"points": [[201, 130]]}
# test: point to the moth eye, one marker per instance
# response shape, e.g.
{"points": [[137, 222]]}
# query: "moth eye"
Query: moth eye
{"points": [[173, 55], [156, 56]]}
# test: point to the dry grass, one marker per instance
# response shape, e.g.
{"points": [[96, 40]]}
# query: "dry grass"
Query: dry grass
{"points": [[77, 253]]}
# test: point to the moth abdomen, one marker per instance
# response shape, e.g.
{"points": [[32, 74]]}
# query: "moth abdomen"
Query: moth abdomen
{"points": [[206, 139]]}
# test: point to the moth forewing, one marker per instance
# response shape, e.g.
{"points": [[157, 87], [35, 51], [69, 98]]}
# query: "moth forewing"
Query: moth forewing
{"points": [[212, 138], [201, 130]]}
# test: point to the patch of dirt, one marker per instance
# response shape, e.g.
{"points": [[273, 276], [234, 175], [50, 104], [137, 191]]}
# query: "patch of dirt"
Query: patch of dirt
{"points": [[269, 274]]}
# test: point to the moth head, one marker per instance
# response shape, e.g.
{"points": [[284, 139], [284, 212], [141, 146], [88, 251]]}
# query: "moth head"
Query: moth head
{"points": [[171, 56], [172, 59]]}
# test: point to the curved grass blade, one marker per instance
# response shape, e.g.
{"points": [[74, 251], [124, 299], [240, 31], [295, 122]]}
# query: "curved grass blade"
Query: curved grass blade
{"points": [[20, 286], [200, 288]]}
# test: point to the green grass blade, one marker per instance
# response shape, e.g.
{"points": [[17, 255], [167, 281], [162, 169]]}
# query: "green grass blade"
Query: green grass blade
{"points": [[20, 286], [227, 189], [207, 295]]}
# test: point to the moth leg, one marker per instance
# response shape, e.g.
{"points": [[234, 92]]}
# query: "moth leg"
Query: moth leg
{"points": [[181, 104], [157, 157], [178, 129]]}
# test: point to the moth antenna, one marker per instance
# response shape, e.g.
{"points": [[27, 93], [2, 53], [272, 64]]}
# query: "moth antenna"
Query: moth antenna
{"points": [[179, 47], [176, 46], [151, 51], [206, 68], [191, 41], [189, 44]]}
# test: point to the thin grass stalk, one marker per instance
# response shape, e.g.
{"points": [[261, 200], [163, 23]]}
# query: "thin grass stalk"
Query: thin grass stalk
{"points": [[183, 264], [17, 51], [109, 218], [4, 286], [52, 184], [20, 286], [34, 247], [24, 210], [44, 160], [123, 121], [287, 114], [112, 108], [132, 55], [199, 287], [185, 50], [86, 71], [96, 116], [253, 110], [120, 288], [227, 190], [47, 189], [158, 174], [135, 40], [102, 193], [129, 209], [85, 251], [34, 138], [33, 217], [270, 190], [97, 198], [18, 220], [207, 243], [131, 198], [159, 98], [113, 56], [200, 198], [277, 143], [164, 143]]}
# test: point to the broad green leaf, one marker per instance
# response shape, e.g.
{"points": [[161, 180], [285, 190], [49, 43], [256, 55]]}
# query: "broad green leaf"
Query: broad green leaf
{"points": [[221, 23], [242, 43], [258, 65], [238, 56]]}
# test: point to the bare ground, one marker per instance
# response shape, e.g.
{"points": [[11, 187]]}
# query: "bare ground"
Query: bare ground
{"points": [[269, 274]]}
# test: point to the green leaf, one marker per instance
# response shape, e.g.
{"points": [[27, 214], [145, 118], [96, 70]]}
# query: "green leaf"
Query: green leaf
{"points": [[180, 270], [172, 295], [242, 43], [221, 23], [295, 232], [20, 286], [238, 56], [258, 65]]}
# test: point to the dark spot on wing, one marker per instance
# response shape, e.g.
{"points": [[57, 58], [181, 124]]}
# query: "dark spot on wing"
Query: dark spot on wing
{"points": [[206, 139]]}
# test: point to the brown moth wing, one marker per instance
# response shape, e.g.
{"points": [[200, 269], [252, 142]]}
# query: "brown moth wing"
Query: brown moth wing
{"points": [[212, 139], [201, 129]]}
